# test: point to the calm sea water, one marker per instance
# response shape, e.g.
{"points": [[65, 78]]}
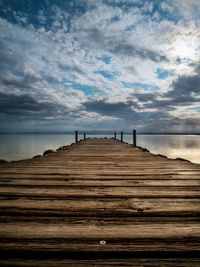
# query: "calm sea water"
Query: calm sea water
{"points": [[22, 146]]}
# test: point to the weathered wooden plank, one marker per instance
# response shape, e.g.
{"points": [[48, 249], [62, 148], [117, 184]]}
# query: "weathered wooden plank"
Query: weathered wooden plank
{"points": [[100, 190], [100, 176], [88, 237], [151, 262], [97, 217], [79, 206], [103, 158], [85, 191], [90, 202], [146, 173], [109, 167], [99, 182], [137, 231]]}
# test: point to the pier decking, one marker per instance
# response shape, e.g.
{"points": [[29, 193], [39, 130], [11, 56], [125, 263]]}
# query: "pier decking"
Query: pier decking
{"points": [[100, 202]]}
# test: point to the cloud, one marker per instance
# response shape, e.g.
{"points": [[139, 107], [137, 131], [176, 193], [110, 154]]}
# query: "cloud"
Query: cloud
{"points": [[118, 46], [100, 63], [186, 89], [118, 110], [121, 48], [26, 106]]}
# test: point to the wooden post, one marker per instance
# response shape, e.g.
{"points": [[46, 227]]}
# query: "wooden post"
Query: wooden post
{"points": [[121, 136], [84, 136], [115, 135], [134, 138], [76, 136]]}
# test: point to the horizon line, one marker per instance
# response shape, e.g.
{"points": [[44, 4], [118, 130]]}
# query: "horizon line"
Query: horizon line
{"points": [[107, 132]]}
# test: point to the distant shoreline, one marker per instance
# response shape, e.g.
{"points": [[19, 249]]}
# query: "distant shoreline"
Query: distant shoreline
{"points": [[103, 133]]}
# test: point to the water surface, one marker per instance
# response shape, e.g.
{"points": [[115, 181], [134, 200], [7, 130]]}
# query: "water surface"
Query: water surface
{"points": [[172, 146], [22, 146]]}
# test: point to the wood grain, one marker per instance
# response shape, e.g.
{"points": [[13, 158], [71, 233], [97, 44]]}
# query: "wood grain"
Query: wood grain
{"points": [[100, 202]]}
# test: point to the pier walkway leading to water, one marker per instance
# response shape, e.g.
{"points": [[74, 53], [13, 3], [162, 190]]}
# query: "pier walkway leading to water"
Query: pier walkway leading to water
{"points": [[100, 202]]}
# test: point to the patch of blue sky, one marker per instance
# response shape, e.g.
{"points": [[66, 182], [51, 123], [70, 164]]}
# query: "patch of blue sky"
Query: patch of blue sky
{"points": [[86, 89], [130, 28], [108, 75], [114, 19], [194, 109], [156, 8], [105, 58], [121, 4], [163, 14], [163, 74], [138, 85], [31, 10]]}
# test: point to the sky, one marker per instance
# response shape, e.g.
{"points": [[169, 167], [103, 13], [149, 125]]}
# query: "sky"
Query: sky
{"points": [[70, 65]]}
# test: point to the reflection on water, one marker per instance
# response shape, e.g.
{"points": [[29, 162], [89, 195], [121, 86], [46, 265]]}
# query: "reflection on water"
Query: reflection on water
{"points": [[173, 146], [22, 146]]}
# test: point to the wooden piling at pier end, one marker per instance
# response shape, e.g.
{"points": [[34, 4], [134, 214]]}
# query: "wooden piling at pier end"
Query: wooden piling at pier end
{"points": [[100, 202]]}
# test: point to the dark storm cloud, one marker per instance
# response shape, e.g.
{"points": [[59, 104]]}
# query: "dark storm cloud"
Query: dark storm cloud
{"points": [[185, 89], [119, 109], [144, 97], [128, 111], [26, 106], [158, 121]]}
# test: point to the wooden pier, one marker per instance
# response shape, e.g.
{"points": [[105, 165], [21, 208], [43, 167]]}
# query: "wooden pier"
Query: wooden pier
{"points": [[100, 202]]}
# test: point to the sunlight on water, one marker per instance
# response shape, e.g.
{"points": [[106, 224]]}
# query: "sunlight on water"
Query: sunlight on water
{"points": [[172, 146], [22, 146]]}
